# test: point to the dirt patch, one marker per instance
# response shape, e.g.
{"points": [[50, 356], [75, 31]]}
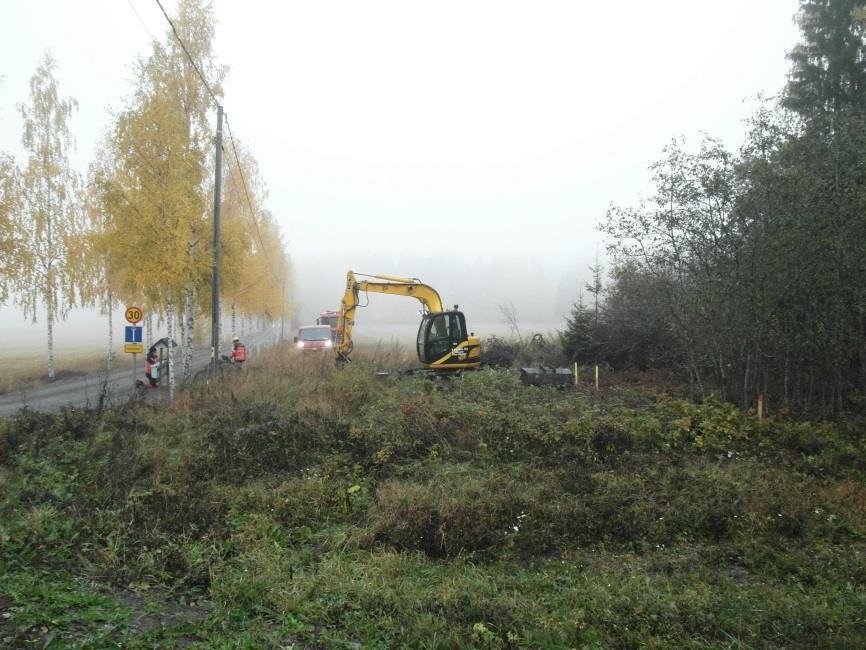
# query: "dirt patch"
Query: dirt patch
{"points": [[155, 609]]}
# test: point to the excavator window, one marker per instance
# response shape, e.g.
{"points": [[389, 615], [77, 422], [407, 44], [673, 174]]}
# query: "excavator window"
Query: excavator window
{"points": [[439, 333]]}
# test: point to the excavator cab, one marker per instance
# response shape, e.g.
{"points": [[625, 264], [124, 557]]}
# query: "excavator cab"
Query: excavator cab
{"points": [[439, 334]]}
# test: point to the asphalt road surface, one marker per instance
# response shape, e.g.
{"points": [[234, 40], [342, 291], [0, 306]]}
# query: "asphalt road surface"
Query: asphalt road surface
{"points": [[118, 385]]}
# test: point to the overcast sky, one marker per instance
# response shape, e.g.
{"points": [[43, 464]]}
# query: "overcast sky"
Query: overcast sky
{"points": [[477, 129]]}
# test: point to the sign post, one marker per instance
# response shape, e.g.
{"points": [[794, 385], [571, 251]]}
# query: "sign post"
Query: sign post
{"points": [[132, 336]]}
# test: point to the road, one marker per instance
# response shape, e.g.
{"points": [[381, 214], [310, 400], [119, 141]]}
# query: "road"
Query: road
{"points": [[81, 392]]}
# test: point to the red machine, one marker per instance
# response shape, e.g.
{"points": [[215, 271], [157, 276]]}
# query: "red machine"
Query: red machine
{"points": [[329, 318]]}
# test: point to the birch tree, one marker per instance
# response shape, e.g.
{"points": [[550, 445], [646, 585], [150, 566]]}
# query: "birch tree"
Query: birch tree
{"points": [[151, 199], [122, 229], [49, 219], [158, 193], [100, 291], [243, 196], [195, 26], [8, 231], [256, 268], [9, 255], [274, 266]]}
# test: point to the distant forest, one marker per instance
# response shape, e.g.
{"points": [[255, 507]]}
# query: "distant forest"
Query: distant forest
{"points": [[747, 269]]}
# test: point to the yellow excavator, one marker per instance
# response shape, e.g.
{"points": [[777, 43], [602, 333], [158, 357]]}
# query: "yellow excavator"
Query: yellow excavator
{"points": [[444, 344]]}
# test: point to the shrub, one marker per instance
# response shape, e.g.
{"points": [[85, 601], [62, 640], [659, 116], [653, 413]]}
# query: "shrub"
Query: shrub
{"points": [[499, 352], [458, 512]]}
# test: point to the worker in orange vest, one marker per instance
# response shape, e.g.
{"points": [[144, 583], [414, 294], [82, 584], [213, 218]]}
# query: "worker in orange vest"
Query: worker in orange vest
{"points": [[239, 352]]}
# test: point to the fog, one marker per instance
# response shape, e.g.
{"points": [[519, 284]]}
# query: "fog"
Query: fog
{"points": [[541, 293], [473, 145]]}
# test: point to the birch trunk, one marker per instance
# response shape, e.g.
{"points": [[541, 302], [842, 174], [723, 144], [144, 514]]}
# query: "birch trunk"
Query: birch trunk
{"points": [[169, 309], [49, 275], [50, 320], [189, 335], [181, 329], [50, 295], [110, 332], [148, 330]]}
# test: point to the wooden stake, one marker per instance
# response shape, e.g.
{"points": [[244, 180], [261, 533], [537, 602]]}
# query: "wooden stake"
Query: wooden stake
{"points": [[596, 377]]}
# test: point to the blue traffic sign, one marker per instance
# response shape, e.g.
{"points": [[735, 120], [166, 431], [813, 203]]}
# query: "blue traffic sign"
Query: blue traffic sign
{"points": [[133, 334]]}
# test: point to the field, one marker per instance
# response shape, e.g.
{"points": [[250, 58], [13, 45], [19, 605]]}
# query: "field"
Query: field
{"points": [[309, 507], [28, 369]]}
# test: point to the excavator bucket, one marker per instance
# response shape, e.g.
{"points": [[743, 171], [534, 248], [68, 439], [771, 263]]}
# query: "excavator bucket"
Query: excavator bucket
{"points": [[547, 376]]}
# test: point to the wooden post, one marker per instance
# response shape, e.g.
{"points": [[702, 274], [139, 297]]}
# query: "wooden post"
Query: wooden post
{"points": [[217, 257], [575, 374], [596, 377], [760, 407]]}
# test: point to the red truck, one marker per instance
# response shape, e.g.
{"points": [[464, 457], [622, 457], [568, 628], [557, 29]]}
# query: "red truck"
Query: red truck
{"points": [[314, 338], [329, 318]]}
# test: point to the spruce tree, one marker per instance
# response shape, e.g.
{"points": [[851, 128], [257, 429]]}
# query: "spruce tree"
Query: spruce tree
{"points": [[578, 340], [828, 74]]}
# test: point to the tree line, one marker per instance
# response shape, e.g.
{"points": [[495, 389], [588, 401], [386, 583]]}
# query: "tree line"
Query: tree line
{"points": [[747, 269], [137, 227]]}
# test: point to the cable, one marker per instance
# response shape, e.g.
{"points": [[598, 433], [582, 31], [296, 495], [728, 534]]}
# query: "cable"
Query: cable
{"points": [[255, 225], [247, 195], [250, 216], [188, 55], [137, 15]]}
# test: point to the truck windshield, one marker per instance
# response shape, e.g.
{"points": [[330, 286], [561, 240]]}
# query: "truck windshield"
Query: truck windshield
{"points": [[315, 334], [328, 320]]}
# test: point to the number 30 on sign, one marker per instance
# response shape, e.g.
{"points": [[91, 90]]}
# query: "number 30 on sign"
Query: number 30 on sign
{"points": [[134, 314]]}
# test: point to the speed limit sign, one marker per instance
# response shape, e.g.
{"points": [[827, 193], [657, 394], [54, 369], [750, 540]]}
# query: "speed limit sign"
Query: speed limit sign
{"points": [[134, 314]]}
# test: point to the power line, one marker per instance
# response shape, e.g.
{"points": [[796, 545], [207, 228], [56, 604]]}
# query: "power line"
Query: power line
{"points": [[188, 55], [247, 195], [137, 15], [255, 225]]}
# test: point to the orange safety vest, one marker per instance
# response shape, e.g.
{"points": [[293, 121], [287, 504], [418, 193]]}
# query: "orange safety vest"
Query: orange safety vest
{"points": [[239, 353]]}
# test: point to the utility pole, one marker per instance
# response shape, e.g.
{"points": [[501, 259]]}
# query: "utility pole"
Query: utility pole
{"points": [[217, 199]]}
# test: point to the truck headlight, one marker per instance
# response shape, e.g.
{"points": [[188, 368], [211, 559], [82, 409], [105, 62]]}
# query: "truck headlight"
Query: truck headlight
{"points": [[300, 344], [328, 343]]}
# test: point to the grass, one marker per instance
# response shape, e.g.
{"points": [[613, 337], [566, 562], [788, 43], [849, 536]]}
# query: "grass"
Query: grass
{"points": [[310, 507], [24, 371]]}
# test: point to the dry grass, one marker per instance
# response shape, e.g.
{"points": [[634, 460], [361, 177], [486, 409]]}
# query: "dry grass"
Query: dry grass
{"points": [[380, 355], [28, 370]]}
